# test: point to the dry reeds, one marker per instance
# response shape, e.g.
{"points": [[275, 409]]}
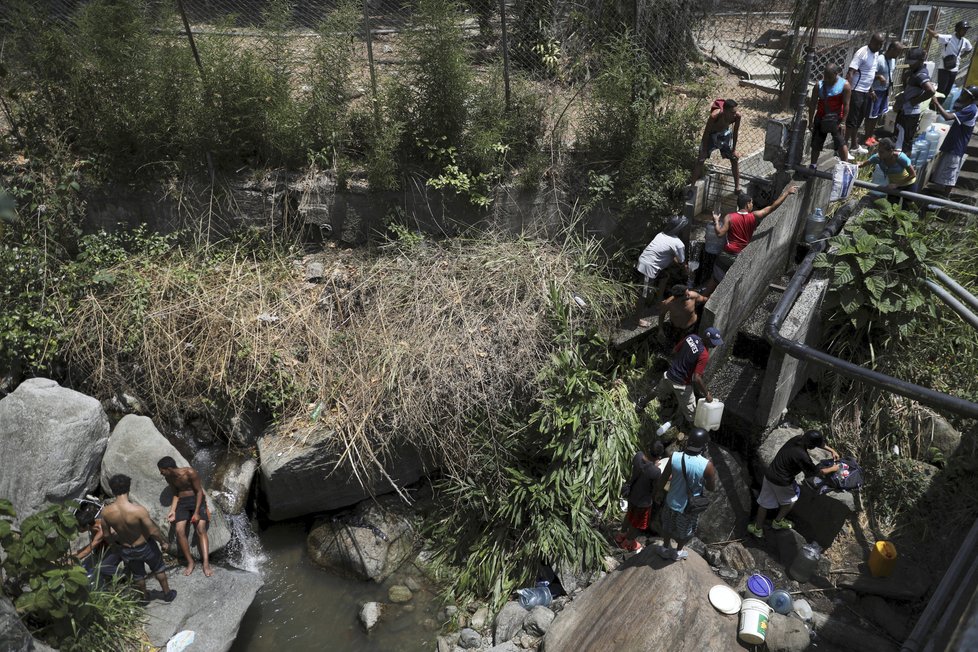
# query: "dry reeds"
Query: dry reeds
{"points": [[411, 343]]}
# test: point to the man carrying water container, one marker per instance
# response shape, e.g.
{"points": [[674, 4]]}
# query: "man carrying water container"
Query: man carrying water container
{"points": [[955, 144], [685, 374]]}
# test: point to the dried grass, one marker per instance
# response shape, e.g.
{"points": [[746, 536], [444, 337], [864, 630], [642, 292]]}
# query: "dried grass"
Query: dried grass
{"points": [[413, 342]]}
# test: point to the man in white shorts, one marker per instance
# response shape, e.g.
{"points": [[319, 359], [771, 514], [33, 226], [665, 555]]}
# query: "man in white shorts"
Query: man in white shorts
{"points": [[779, 490]]}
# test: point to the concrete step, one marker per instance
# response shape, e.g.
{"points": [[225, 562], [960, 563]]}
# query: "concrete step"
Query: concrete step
{"points": [[965, 196], [968, 180], [971, 163]]}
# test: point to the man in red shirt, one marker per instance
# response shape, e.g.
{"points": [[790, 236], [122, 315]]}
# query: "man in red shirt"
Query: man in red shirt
{"points": [[739, 228], [686, 373]]}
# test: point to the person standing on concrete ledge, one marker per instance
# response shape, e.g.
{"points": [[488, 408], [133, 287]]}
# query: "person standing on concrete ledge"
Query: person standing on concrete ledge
{"points": [[885, 67], [861, 75], [779, 489], [665, 250], [739, 228], [684, 377], [955, 144], [681, 306], [917, 89], [720, 133], [954, 48], [827, 111]]}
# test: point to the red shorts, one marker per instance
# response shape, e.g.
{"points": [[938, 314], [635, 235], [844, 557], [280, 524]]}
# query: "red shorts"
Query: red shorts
{"points": [[638, 517]]}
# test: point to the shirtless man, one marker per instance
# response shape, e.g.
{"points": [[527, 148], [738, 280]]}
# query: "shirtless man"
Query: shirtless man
{"points": [[721, 131], [132, 528], [189, 504], [681, 308]]}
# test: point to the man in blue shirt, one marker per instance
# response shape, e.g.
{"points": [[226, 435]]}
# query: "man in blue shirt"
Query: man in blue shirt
{"points": [[882, 85], [690, 472], [955, 144], [917, 89]]}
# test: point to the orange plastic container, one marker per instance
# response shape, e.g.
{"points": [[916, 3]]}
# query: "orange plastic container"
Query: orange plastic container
{"points": [[882, 559]]}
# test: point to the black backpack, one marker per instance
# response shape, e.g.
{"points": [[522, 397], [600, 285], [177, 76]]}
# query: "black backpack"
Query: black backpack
{"points": [[847, 479]]}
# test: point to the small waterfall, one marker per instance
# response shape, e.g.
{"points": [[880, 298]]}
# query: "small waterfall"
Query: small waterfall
{"points": [[245, 551]]}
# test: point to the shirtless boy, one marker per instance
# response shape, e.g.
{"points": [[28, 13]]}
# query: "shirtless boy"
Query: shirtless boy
{"points": [[681, 308], [132, 528], [189, 504], [721, 131]]}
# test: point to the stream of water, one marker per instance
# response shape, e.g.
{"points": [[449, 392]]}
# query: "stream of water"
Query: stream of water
{"points": [[302, 607]]}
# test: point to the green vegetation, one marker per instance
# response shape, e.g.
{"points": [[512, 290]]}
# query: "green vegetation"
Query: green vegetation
{"points": [[52, 593]]}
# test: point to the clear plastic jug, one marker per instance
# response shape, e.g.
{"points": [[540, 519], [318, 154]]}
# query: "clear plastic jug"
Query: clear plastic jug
{"points": [[708, 415], [933, 137], [814, 225], [538, 596]]}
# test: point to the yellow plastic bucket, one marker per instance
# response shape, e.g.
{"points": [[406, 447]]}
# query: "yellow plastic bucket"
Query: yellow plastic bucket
{"points": [[882, 559]]}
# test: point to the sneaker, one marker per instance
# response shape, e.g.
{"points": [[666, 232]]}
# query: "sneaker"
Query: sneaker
{"points": [[783, 524], [170, 595], [852, 157], [665, 553], [755, 531], [871, 142], [862, 151], [679, 555]]}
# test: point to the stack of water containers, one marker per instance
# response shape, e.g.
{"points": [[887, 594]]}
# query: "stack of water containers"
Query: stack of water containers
{"points": [[924, 147]]}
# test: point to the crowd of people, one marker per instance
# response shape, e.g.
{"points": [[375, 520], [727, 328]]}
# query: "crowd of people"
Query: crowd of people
{"points": [[124, 532]]}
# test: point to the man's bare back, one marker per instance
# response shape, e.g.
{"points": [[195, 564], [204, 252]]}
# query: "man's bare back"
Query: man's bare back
{"points": [[130, 523]]}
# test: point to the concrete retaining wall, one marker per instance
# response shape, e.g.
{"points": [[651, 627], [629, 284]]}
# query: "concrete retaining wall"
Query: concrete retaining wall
{"points": [[762, 262]]}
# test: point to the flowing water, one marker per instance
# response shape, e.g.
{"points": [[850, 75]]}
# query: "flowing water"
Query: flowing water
{"points": [[302, 607]]}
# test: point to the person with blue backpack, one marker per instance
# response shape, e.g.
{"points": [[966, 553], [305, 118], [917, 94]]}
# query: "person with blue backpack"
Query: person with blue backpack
{"points": [[779, 489], [827, 111]]}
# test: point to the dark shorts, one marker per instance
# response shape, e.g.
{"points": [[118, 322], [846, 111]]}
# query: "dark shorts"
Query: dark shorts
{"points": [[878, 106], [680, 527], [102, 564], [722, 141], [638, 517], [185, 508], [858, 106], [945, 80], [138, 558], [722, 264], [822, 128], [909, 124]]}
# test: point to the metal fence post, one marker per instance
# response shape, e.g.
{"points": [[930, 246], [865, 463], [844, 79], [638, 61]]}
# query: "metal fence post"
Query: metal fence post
{"points": [[797, 128], [505, 46], [370, 63]]}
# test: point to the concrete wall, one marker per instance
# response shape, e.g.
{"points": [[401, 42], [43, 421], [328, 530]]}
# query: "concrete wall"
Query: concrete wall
{"points": [[762, 262], [784, 375]]}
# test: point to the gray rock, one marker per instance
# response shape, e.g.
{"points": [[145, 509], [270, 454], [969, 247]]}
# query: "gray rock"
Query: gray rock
{"points": [[303, 477], [246, 427], [881, 612], [572, 578], [906, 584], [509, 622], [231, 481], [399, 594], [789, 544], [834, 630], [446, 643], [736, 556], [314, 271], [51, 442], [538, 621], [770, 446], [729, 513], [526, 641], [786, 634], [412, 583], [934, 432], [647, 605], [212, 607], [480, 617], [370, 545], [370, 613], [508, 646], [696, 546], [134, 448], [712, 556], [14, 635], [468, 638]]}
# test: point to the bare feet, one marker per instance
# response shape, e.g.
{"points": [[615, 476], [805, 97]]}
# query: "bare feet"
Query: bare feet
{"points": [[208, 571], [189, 569]]}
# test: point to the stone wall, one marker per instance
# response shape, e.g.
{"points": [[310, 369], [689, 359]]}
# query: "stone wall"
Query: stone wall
{"points": [[762, 262]]}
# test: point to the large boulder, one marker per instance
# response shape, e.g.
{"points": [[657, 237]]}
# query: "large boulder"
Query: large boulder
{"points": [[14, 635], [770, 446], [231, 481], [304, 477], [51, 442], [369, 544], [729, 513], [134, 448], [211, 607], [646, 605], [935, 434]]}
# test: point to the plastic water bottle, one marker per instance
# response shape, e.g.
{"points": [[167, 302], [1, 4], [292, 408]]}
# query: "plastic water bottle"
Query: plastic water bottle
{"points": [[663, 429], [805, 562], [933, 137], [815, 225], [537, 596]]}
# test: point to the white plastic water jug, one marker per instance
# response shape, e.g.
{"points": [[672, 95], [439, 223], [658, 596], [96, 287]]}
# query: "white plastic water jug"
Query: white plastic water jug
{"points": [[708, 415], [933, 137]]}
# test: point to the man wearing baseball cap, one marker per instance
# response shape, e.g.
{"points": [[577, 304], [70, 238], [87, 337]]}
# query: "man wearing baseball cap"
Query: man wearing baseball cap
{"points": [[954, 48], [684, 377], [917, 89], [955, 144]]}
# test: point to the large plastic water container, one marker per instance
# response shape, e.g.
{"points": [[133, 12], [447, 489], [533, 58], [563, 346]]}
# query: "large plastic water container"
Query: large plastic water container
{"points": [[814, 225], [708, 415], [952, 98], [882, 559], [933, 137]]}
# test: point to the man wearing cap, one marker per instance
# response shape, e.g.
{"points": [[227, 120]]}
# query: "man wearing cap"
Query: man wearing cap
{"points": [[688, 473], [955, 144], [738, 228], [862, 73], [885, 67], [779, 490], [954, 47], [917, 89], [680, 305], [684, 377], [665, 250]]}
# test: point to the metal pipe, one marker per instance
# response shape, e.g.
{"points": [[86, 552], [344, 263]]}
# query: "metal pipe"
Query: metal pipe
{"points": [[822, 359], [962, 293], [801, 97], [953, 303], [904, 194]]}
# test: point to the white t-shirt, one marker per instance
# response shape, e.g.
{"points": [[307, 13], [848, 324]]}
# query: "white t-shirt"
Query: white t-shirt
{"points": [[864, 63], [660, 253], [959, 47]]}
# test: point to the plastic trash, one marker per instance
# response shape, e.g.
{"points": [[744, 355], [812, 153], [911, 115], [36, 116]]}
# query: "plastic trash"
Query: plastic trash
{"points": [[180, 641], [803, 609], [664, 428], [537, 596], [805, 563]]}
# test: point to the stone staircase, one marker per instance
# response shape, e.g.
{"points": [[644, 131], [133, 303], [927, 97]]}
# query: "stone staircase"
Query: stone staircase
{"points": [[966, 191]]}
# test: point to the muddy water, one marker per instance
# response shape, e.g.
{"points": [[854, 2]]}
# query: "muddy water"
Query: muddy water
{"points": [[302, 607]]}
